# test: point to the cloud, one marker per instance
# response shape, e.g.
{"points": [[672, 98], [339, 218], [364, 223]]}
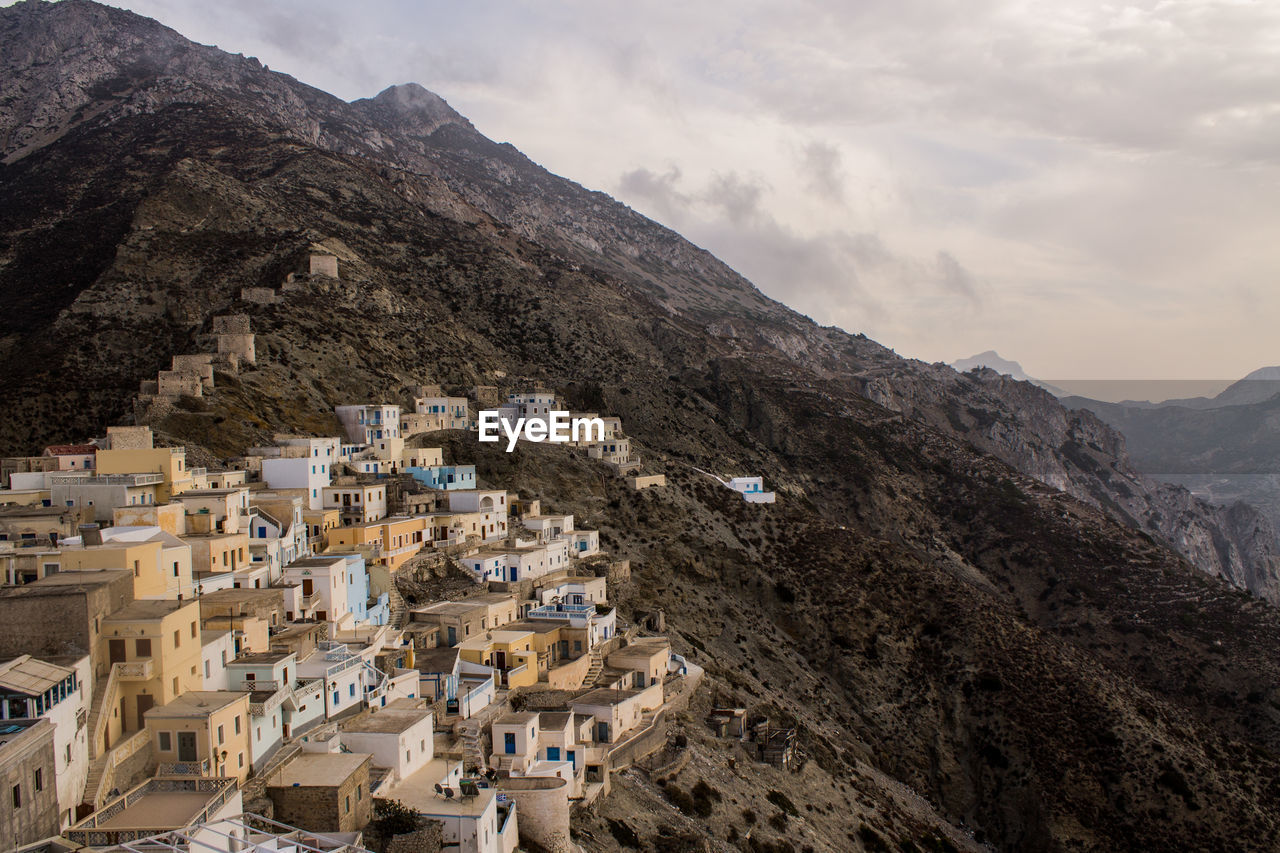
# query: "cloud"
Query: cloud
{"points": [[1079, 181], [819, 166]]}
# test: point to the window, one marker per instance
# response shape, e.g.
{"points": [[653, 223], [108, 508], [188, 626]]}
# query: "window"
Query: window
{"points": [[164, 741], [176, 691], [241, 760], [17, 796], [359, 793], [193, 628], [137, 568], [206, 670], [406, 756], [237, 724], [177, 639], [143, 648], [348, 804], [39, 779], [221, 736], [175, 569], [351, 688]]}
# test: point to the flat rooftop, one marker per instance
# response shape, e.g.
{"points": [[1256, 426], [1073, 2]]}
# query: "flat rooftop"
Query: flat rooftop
{"points": [[197, 703], [257, 658], [555, 719], [146, 610], [159, 810], [388, 720], [320, 769], [516, 718], [316, 562], [435, 660], [66, 583], [418, 792], [643, 647], [240, 595], [602, 696], [538, 626]]}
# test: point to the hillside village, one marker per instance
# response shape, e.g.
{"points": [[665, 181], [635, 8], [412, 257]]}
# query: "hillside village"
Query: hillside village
{"points": [[184, 647]]}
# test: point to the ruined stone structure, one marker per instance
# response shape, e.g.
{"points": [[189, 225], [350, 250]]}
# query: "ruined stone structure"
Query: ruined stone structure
{"points": [[191, 374]]}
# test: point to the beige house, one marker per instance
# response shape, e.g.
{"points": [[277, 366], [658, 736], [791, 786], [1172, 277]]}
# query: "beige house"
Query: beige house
{"points": [[154, 649], [646, 659], [208, 729], [460, 620]]}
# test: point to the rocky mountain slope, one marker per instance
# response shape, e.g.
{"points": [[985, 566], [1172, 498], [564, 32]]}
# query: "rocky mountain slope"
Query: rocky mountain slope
{"points": [[964, 600], [75, 71]]}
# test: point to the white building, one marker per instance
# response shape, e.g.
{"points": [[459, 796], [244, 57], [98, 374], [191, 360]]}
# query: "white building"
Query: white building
{"points": [[217, 649], [31, 688], [308, 473], [359, 503], [399, 736], [491, 506], [324, 587], [751, 489], [367, 424], [519, 563]]}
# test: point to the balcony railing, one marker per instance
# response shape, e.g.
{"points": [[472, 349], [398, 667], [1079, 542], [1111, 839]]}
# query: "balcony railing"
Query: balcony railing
{"points": [[137, 670], [562, 611]]}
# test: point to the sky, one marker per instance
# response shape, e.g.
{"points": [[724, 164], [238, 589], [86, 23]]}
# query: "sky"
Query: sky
{"points": [[1087, 188]]}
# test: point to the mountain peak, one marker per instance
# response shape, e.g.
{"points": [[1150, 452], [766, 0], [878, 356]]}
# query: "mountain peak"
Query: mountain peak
{"points": [[412, 107], [991, 359]]}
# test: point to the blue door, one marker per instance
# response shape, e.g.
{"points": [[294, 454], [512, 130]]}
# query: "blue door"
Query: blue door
{"points": [[509, 743], [553, 753]]}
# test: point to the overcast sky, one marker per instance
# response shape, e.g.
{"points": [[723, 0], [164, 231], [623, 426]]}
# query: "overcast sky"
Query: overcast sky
{"points": [[1087, 188]]}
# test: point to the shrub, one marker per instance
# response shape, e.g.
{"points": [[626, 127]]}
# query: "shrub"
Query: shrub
{"points": [[392, 817]]}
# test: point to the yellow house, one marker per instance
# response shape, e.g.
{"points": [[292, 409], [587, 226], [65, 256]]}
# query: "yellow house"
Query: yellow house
{"points": [[511, 653], [203, 726], [161, 565], [218, 552], [157, 644], [168, 462], [319, 524], [397, 538]]}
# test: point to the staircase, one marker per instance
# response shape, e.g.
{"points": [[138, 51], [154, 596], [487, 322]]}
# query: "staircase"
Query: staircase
{"points": [[594, 670], [473, 748], [95, 712], [399, 608], [97, 769]]}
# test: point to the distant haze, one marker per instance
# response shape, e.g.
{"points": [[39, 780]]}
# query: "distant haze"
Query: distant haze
{"points": [[1087, 187]]}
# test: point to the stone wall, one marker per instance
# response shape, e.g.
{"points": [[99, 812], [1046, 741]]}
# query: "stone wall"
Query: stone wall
{"points": [[542, 810], [237, 348], [322, 808], [231, 324], [428, 839]]}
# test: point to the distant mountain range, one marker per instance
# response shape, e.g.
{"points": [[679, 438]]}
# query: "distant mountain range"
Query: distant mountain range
{"points": [[1224, 448]]}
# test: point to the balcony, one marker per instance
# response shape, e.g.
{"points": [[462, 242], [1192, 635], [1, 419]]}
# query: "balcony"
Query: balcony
{"points": [[142, 669], [563, 611]]}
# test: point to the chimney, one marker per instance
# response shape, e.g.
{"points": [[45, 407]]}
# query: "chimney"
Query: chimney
{"points": [[90, 534]]}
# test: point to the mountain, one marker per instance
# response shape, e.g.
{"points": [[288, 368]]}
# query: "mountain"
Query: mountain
{"points": [[986, 626], [1224, 447], [992, 360]]}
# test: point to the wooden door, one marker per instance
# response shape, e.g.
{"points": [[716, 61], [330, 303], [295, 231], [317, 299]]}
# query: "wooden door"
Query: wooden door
{"points": [[145, 703], [187, 746], [115, 651]]}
